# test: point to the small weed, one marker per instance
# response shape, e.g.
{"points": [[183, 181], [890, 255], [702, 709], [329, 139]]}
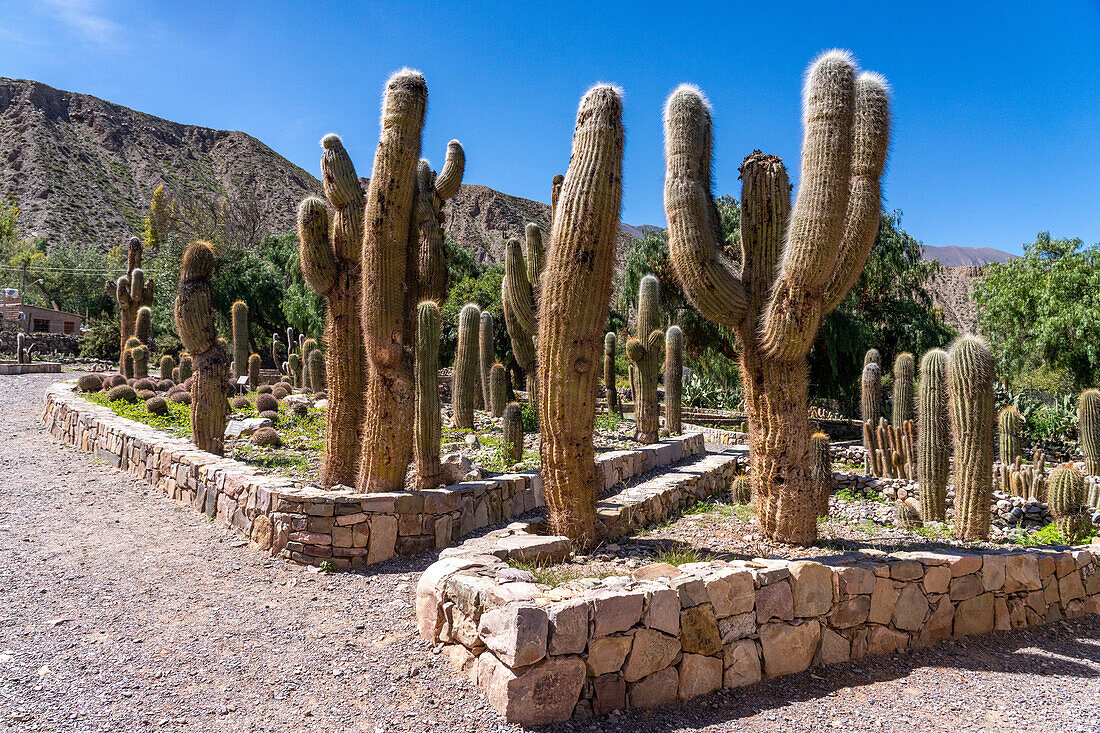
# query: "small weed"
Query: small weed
{"points": [[327, 566], [935, 531], [867, 526], [555, 575], [678, 555], [608, 422], [846, 494], [1050, 535]]}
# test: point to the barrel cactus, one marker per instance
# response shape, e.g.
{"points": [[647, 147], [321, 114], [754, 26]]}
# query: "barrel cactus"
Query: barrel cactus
{"points": [[167, 366], [1066, 496], [186, 368], [574, 299], [933, 456], [131, 291], [427, 424], [1088, 419], [970, 385], [1010, 422], [466, 380], [646, 351], [194, 313], [609, 375], [741, 490], [904, 372], [403, 261], [794, 267]]}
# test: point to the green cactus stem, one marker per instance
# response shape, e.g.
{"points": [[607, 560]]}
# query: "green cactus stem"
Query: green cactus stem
{"points": [[1088, 420], [517, 299], [794, 266], [486, 357], [1066, 496], [466, 379], [1009, 423], [239, 322], [934, 436], [821, 471], [512, 427], [194, 313], [294, 366], [143, 325], [970, 383], [167, 366], [674, 378], [904, 372], [131, 291], [141, 361], [427, 425], [498, 389], [186, 368], [574, 302], [254, 372], [609, 376], [646, 351], [316, 371], [308, 347]]}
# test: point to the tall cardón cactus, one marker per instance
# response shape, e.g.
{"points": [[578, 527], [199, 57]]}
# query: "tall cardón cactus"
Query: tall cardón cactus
{"points": [[194, 312], [970, 382], [1088, 423], [466, 379], [904, 372], [517, 290], [1009, 423], [403, 263], [238, 317], [646, 352], [131, 291], [574, 302], [485, 357], [674, 377], [609, 376], [427, 423], [789, 276], [933, 438]]}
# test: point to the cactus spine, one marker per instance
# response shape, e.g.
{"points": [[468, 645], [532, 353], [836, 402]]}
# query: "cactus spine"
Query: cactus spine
{"points": [[316, 371], [512, 427], [167, 366], [789, 276], [403, 263], [466, 380], [904, 371], [131, 292], [674, 377], [1088, 419], [486, 357], [427, 423], [1066, 495], [821, 471], [254, 372], [1010, 422], [573, 306], [498, 389], [609, 376], [517, 297], [970, 380], [194, 312], [239, 321], [646, 351], [933, 456]]}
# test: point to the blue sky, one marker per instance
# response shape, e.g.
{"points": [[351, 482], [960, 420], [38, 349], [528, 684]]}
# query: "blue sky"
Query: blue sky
{"points": [[996, 105]]}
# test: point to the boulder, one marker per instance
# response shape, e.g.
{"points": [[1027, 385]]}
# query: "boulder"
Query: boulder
{"points": [[788, 648]]}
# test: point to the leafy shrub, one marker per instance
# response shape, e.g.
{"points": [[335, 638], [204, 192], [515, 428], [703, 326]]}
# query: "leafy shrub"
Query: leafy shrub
{"points": [[101, 339], [530, 418]]}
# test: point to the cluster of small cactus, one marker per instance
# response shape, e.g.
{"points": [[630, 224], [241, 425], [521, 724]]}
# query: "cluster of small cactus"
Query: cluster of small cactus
{"points": [[194, 314], [970, 387], [132, 292], [933, 460], [796, 266], [1030, 481], [1067, 501], [891, 453], [646, 352], [1088, 419]]}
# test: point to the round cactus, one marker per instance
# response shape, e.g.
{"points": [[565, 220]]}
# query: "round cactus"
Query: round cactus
{"points": [[266, 402], [156, 406], [266, 438], [123, 392], [89, 383]]}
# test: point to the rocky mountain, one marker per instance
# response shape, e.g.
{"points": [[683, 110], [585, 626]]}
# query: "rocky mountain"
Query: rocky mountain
{"points": [[965, 256], [951, 290]]}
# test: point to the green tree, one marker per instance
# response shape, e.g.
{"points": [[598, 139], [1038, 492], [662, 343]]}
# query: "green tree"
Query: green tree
{"points": [[1043, 310]]}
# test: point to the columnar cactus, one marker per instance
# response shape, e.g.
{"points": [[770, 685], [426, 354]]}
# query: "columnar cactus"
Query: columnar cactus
{"points": [[674, 377], [870, 404], [512, 427], [22, 351], [609, 376], [465, 377], [194, 312], [294, 366], [403, 264], [821, 471], [517, 297], [872, 357], [486, 357], [254, 372], [316, 371], [904, 371], [1010, 422], [141, 361], [131, 291], [646, 351], [143, 325], [308, 347], [1066, 496], [427, 423], [741, 490], [536, 255], [239, 320], [498, 389], [167, 366], [128, 363], [933, 456], [1088, 419], [789, 275], [970, 383], [573, 306], [186, 367]]}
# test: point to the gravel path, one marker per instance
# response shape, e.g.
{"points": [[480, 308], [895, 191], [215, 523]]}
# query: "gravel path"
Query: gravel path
{"points": [[122, 611]]}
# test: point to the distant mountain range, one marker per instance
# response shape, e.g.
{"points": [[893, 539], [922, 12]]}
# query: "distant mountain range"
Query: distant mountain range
{"points": [[972, 256]]}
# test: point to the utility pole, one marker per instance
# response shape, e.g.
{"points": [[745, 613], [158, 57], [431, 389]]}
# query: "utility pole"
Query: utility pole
{"points": [[23, 300]]}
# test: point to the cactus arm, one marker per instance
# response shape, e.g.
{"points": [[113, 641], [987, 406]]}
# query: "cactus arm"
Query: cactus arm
{"points": [[765, 211], [711, 280], [871, 142], [555, 194], [536, 255], [517, 288], [314, 250], [450, 176]]}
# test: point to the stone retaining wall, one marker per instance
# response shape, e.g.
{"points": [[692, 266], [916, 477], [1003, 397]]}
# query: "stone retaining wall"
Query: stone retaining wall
{"points": [[35, 367], [545, 654], [48, 343], [303, 522]]}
